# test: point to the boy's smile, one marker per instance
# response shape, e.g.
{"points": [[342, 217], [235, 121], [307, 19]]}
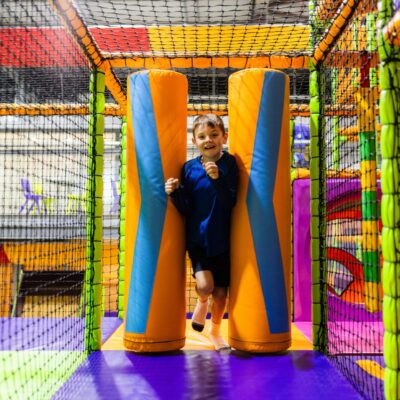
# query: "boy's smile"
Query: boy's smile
{"points": [[209, 141]]}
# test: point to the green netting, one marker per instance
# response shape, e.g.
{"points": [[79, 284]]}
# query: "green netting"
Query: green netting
{"points": [[35, 374], [348, 281], [44, 161], [389, 115], [51, 196]]}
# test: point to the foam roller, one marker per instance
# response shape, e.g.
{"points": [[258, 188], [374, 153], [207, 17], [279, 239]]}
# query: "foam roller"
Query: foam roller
{"points": [[259, 297], [155, 314]]}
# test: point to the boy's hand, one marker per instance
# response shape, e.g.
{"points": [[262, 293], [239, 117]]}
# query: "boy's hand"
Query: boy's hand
{"points": [[171, 185], [211, 169]]}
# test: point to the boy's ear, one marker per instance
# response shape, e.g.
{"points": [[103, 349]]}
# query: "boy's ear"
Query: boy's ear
{"points": [[193, 140], [225, 138]]}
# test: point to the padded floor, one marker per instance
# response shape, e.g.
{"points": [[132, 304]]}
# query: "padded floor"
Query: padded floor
{"points": [[28, 374], [199, 341], [206, 374], [198, 372]]}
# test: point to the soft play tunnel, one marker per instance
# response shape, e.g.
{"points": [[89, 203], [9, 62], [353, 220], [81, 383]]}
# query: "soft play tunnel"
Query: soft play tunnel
{"points": [[155, 247], [259, 305]]}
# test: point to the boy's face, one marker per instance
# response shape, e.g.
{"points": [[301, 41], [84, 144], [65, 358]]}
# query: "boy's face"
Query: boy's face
{"points": [[209, 142]]}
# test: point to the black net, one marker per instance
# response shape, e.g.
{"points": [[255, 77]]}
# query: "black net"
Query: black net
{"points": [[111, 214], [44, 160], [46, 53], [352, 256]]}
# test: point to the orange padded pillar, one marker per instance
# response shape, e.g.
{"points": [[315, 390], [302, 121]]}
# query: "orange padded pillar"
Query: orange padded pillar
{"points": [[155, 314], [259, 304]]}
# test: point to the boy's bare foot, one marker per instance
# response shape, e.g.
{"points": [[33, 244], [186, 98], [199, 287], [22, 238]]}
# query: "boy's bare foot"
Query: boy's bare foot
{"points": [[199, 315], [216, 339], [219, 342]]}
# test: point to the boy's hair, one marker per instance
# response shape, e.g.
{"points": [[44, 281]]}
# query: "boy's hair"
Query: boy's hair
{"points": [[211, 120]]}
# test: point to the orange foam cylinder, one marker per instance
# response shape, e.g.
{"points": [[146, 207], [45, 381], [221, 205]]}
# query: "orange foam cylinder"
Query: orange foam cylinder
{"points": [[155, 314], [259, 297]]}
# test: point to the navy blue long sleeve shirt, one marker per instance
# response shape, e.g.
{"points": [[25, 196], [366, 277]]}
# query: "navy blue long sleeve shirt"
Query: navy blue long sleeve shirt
{"points": [[207, 204]]}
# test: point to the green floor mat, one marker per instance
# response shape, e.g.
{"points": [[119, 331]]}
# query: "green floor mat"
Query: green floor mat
{"points": [[35, 374]]}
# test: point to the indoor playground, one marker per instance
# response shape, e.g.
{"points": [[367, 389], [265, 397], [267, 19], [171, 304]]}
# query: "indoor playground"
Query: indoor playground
{"points": [[97, 103]]}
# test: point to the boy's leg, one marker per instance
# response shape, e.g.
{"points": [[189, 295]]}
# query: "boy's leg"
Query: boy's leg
{"points": [[204, 287], [217, 312], [219, 296]]}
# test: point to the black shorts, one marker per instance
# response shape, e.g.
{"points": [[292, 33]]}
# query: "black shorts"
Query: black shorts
{"points": [[218, 265]]}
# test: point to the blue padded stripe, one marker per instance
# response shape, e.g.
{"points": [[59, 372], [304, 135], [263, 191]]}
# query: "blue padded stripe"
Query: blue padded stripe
{"points": [[260, 201], [153, 206]]}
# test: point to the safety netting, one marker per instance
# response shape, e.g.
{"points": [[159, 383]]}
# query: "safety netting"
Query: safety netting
{"points": [[350, 230], [63, 68]]}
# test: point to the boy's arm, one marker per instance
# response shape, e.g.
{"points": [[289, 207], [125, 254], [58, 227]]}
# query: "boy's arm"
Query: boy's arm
{"points": [[180, 198], [180, 201], [226, 185]]}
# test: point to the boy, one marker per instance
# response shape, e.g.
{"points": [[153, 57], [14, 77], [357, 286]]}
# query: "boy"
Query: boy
{"points": [[206, 196]]}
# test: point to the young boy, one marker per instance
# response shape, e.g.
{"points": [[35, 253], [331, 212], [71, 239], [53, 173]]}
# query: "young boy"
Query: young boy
{"points": [[206, 196]]}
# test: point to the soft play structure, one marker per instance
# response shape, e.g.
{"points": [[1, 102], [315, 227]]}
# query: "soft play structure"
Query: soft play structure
{"points": [[154, 263], [155, 239], [259, 307], [97, 103]]}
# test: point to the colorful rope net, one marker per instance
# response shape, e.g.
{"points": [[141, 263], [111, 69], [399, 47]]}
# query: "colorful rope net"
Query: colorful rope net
{"points": [[62, 201]]}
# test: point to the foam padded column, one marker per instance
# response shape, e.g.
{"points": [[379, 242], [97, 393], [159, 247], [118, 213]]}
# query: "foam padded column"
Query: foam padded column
{"points": [[259, 125], [155, 314]]}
